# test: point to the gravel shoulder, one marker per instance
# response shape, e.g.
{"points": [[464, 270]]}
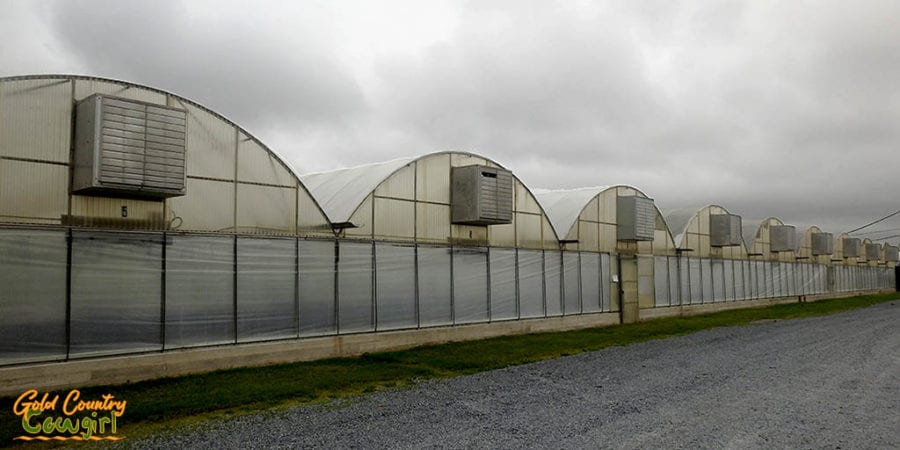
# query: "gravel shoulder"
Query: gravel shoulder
{"points": [[830, 381]]}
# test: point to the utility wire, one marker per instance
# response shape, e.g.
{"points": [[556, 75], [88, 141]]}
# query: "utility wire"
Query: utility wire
{"points": [[874, 222], [886, 230]]}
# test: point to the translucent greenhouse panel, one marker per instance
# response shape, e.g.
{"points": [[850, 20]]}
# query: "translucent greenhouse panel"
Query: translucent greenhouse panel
{"points": [[614, 295], [835, 274], [661, 281], [762, 279], [748, 283], [257, 165], [571, 283], [673, 281], [503, 284], [116, 293], [199, 290], [706, 278], [786, 277], [739, 282], [718, 279], [552, 282], [728, 270], [606, 272], [777, 280], [787, 282], [316, 265], [394, 218], [266, 289], [531, 284], [772, 283], [33, 267], [752, 287], [266, 209], [812, 282], [645, 283], [395, 286], [33, 192], [590, 282], [696, 274], [212, 143], [684, 278], [802, 273], [207, 206], [820, 274], [355, 306], [37, 119], [435, 304], [470, 289]]}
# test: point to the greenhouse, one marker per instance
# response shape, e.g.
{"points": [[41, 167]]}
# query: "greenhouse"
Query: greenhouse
{"points": [[137, 223], [598, 224], [443, 239]]}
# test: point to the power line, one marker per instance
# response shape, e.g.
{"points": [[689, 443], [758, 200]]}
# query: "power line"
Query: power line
{"points": [[886, 230], [874, 222]]}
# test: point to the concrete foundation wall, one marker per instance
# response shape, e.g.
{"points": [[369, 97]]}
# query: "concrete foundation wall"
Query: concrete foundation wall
{"points": [[127, 369], [693, 310]]}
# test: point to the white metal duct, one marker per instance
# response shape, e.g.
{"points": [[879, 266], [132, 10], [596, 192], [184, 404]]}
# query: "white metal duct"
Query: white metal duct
{"points": [[782, 238], [126, 147], [724, 230], [822, 244], [636, 218], [481, 195]]}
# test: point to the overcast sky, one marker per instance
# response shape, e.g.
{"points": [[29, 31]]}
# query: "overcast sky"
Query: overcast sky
{"points": [[768, 108]]}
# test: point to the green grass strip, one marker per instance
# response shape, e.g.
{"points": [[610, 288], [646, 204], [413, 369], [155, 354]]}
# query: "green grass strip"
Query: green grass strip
{"points": [[259, 388]]}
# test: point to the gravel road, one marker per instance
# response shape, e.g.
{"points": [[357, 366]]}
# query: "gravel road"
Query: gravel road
{"points": [[811, 383]]}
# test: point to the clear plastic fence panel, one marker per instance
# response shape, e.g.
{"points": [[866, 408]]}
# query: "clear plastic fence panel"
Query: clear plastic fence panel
{"points": [[266, 289], [696, 273], [802, 271], [661, 281], [316, 264], [199, 290], [470, 289], [777, 279], [684, 275], [607, 269], [706, 280], [718, 273], [435, 284], [673, 280], [355, 305], [552, 280], [748, 282], [571, 283], [531, 283], [395, 286], [767, 280], [822, 275], [32, 295], [615, 299], [739, 283], [754, 281], [503, 283], [116, 293], [790, 283], [590, 282]]}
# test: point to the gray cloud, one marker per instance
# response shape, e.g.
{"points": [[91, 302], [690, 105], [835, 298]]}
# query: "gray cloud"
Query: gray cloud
{"points": [[245, 61], [767, 108]]}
